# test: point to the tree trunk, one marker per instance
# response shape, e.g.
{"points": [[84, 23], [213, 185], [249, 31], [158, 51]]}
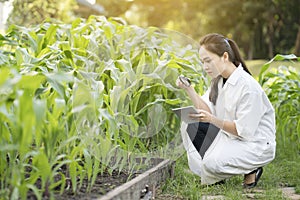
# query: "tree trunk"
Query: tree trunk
{"points": [[270, 39], [251, 49], [297, 43]]}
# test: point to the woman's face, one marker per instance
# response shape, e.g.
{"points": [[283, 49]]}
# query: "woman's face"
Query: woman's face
{"points": [[212, 63]]}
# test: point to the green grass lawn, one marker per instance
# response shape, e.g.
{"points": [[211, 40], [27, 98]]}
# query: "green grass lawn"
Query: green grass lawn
{"points": [[284, 171]]}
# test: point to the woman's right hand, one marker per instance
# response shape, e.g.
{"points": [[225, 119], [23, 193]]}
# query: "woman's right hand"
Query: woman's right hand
{"points": [[181, 85]]}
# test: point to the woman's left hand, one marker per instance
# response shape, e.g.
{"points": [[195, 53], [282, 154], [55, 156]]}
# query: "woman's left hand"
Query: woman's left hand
{"points": [[202, 116]]}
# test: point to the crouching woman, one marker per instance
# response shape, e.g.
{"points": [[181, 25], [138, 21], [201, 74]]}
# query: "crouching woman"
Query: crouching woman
{"points": [[236, 130]]}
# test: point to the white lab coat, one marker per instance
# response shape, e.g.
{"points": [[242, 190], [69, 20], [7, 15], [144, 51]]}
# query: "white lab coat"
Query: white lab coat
{"points": [[243, 101]]}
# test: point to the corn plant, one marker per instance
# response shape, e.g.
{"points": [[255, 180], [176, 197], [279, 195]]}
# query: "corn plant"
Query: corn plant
{"points": [[83, 98], [283, 88]]}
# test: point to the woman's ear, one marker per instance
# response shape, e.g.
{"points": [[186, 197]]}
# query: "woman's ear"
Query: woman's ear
{"points": [[226, 56]]}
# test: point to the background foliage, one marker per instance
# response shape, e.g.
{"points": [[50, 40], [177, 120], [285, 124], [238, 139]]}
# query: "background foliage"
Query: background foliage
{"points": [[282, 85], [32, 12], [261, 28]]}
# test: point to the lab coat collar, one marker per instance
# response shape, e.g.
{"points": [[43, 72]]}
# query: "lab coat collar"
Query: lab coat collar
{"points": [[233, 78]]}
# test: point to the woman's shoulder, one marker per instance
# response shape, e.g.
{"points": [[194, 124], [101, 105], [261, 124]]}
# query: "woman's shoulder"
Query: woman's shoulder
{"points": [[249, 83]]}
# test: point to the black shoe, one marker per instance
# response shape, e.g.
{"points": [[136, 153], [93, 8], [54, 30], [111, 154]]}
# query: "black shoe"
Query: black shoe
{"points": [[258, 172], [218, 183]]}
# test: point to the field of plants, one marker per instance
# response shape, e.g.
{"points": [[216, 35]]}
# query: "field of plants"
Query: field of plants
{"points": [[84, 100], [283, 88]]}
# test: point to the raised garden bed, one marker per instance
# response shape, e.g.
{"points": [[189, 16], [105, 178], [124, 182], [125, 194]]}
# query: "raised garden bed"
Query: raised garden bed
{"points": [[137, 185]]}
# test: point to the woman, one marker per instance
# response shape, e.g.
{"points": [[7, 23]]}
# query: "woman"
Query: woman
{"points": [[236, 130]]}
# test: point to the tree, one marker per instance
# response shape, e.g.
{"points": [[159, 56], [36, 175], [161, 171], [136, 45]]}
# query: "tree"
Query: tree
{"points": [[261, 28], [115, 8], [32, 12], [288, 36], [297, 43]]}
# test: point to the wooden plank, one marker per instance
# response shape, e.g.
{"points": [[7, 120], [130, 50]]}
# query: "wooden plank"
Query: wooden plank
{"points": [[152, 177]]}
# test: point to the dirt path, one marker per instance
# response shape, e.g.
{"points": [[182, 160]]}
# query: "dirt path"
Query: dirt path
{"points": [[288, 192]]}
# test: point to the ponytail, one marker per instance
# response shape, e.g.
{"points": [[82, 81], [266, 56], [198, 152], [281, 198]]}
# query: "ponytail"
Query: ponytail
{"points": [[214, 90], [238, 58]]}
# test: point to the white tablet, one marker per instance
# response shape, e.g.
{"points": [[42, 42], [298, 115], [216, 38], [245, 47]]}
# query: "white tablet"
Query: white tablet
{"points": [[184, 112]]}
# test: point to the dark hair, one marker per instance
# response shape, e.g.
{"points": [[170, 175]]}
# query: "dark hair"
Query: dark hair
{"points": [[218, 44]]}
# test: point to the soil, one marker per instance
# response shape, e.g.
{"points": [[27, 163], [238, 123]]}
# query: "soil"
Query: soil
{"points": [[103, 184]]}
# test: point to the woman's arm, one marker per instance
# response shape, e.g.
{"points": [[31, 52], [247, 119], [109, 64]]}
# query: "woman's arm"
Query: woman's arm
{"points": [[228, 126], [198, 102], [204, 113], [204, 116]]}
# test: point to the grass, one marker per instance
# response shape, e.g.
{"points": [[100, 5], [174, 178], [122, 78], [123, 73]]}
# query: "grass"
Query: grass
{"points": [[283, 171]]}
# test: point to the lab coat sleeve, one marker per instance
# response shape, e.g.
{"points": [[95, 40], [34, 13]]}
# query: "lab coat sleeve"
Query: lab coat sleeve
{"points": [[250, 110]]}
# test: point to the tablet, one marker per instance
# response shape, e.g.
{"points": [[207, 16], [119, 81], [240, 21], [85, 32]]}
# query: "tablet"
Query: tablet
{"points": [[183, 114]]}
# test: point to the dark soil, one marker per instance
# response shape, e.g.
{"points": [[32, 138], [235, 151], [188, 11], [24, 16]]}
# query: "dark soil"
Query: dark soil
{"points": [[102, 185]]}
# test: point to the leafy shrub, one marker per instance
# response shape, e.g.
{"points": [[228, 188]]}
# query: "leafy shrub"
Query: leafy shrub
{"points": [[283, 89]]}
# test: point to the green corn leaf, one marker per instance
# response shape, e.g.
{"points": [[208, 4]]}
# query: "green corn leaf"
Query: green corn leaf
{"points": [[35, 190], [31, 80], [58, 82], [22, 56], [4, 74], [40, 161], [173, 101], [8, 147], [73, 174], [157, 101], [61, 183], [50, 36], [39, 107], [88, 163], [4, 59]]}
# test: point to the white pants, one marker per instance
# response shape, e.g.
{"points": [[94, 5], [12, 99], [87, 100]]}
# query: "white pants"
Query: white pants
{"points": [[226, 156]]}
